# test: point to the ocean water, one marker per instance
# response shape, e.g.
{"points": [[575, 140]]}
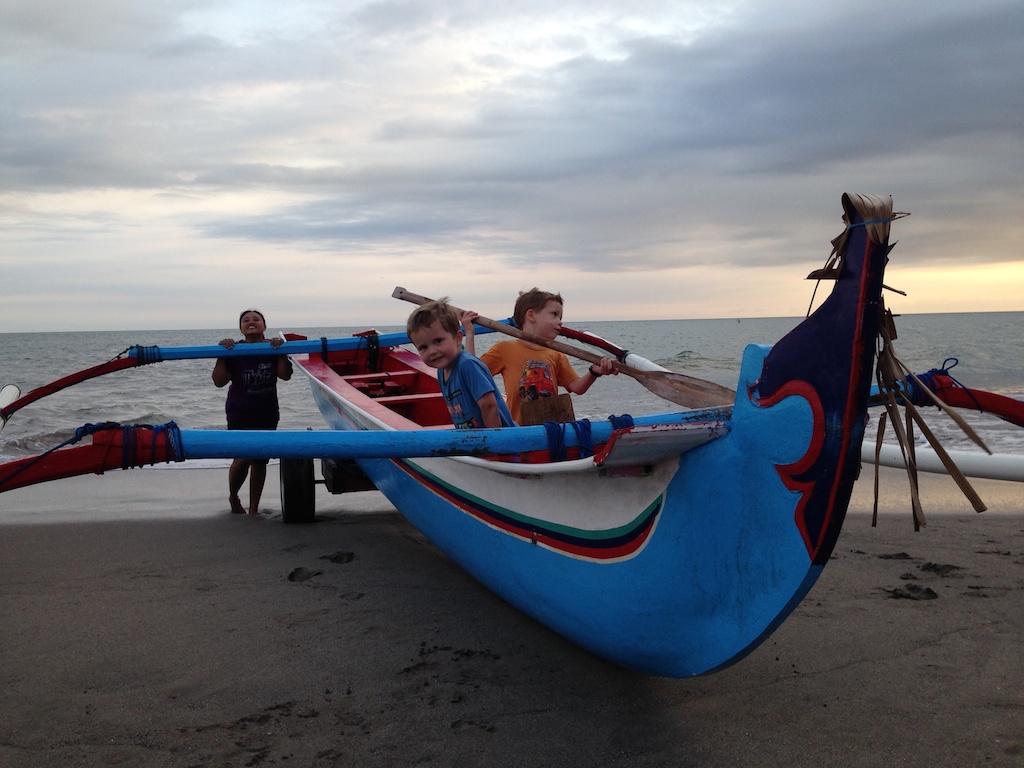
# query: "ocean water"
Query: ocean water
{"points": [[989, 347]]}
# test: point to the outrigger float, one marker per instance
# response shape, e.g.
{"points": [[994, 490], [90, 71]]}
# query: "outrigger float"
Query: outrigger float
{"points": [[671, 544]]}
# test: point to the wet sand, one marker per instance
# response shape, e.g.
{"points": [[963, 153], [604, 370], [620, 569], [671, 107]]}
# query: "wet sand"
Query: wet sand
{"points": [[191, 637]]}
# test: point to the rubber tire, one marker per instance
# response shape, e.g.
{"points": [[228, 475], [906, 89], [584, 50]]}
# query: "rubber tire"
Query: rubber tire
{"points": [[298, 491]]}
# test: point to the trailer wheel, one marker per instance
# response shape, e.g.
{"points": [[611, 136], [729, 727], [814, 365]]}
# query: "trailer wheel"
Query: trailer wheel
{"points": [[298, 497]]}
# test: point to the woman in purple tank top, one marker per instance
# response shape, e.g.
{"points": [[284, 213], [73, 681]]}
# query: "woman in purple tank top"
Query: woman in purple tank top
{"points": [[251, 402]]}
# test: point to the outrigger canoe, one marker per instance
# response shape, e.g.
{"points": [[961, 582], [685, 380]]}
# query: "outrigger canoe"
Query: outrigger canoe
{"points": [[677, 543], [671, 544]]}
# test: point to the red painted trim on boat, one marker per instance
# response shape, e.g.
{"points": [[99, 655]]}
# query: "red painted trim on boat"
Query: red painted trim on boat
{"points": [[789, 473], [634, 541]]}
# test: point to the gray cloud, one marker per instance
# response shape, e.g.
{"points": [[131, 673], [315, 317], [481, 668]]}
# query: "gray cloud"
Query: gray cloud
{"points": [[639, 136]]}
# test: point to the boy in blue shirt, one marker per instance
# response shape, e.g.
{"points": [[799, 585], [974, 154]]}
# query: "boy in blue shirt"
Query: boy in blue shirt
{"points": [[469, 390]]}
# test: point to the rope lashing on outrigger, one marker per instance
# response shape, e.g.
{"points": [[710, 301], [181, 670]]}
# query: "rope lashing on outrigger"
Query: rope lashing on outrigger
{"points": [[894, 382], [130, 453], [625, 421], [146, 355], [915, 387], [132, 449], [556, 438], [583, 428]]}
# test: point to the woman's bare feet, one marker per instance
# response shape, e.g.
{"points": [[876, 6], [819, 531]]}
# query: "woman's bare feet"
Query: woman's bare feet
{"points": [[236, 505]]}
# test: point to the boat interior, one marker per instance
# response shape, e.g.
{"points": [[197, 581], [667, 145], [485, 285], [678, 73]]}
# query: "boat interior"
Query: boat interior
{"points": [[393, 385]]}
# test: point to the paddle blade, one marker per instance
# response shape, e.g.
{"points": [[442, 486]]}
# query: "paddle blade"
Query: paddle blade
{"points": [[8, 395], [684, 390]]}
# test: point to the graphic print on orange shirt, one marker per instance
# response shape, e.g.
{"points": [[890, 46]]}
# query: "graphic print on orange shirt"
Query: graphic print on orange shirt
{"points": [[537, 381]]}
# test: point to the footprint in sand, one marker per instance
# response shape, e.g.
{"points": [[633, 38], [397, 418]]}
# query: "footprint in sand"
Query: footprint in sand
{"points": [[940, 569], [912, 592], [340, 557], [302, 574]]}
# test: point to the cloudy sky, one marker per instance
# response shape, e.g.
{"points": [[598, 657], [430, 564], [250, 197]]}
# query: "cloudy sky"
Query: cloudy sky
{"points": [[168, 163]]}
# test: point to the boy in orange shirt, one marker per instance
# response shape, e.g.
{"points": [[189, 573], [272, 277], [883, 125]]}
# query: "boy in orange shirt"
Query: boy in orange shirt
{"points": [[528, 371]]}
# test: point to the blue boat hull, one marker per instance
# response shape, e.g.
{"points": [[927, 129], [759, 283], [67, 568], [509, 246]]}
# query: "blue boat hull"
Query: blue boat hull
{"points": [[682, 568]]}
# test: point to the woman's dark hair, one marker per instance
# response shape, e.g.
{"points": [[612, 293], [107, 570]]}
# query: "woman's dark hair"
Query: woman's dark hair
{"points": [[246, 312]]}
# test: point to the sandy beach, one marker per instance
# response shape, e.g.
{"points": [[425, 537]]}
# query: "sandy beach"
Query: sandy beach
{"points": [[144, 625]]}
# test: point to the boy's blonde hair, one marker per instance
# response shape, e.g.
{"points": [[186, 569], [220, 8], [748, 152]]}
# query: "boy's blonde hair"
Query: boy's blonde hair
{"points": [[427, 314], [534, 299]]}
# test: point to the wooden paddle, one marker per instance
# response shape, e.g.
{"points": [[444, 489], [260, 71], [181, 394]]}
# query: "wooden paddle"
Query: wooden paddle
{"points": [[678, 388]]}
